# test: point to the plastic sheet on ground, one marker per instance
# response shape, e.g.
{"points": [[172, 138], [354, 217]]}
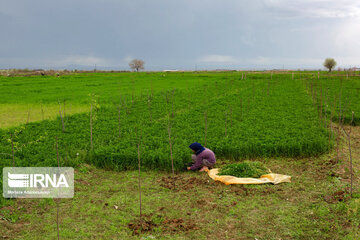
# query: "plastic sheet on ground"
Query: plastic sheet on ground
{"points": [[268, 178]]}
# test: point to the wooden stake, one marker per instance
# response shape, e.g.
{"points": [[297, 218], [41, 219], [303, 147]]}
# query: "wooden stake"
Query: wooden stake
{"points": [[12, 149], [62, 120], [57, 200], [331, 117], [91, 133], [321, 104], [151, 86], [205, 120], [226, 114], [64, 109], [28, 117], [349, 145], [149, 106], [172, 104], [339, 125], [139, 165], [171, 153], [268, 86], [119, 121], [132, 95]]}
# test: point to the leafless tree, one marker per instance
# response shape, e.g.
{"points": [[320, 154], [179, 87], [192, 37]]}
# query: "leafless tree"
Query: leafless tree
{"points": [[137, 64]]}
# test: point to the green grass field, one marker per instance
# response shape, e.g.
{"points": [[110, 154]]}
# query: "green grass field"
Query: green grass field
{"points": [[337, 94], [260, 116], [272, 118], [23, 96]]}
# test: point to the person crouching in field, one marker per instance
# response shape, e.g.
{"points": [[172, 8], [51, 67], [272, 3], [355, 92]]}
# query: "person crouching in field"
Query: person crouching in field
{"points": [[203, 158]]}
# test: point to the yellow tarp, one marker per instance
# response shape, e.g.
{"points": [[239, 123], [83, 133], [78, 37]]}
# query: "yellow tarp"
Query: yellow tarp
{"points": [[268, 178]]}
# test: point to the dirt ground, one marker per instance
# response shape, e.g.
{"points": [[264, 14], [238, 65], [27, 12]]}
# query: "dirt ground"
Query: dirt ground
{"points": [[316, 205]]}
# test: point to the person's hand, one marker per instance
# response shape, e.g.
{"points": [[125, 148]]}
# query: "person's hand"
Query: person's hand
{"points": [[204, 168], [188, 168]]}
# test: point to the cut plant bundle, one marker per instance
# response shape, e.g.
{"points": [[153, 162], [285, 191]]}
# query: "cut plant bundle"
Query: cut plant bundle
{"points": [[246, 169]]}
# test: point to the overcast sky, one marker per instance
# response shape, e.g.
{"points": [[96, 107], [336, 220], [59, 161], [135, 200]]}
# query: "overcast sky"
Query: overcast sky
{"points": [[179, 34]]}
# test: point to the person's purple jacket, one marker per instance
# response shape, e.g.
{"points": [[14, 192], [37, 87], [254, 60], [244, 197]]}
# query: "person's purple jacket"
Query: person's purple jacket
{"points": [[205, 154]]}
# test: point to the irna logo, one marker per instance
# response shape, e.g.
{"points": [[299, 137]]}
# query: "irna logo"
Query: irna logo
{"points": [[36, 180]]}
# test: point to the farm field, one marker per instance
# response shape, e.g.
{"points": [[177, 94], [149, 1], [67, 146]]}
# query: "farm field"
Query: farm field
{"points": [[237, 118], [280, 119], [337, 94], [37, 97]]}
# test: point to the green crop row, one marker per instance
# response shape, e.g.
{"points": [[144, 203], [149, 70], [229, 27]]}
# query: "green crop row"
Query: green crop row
{"points": [[337, 96], [260, 116]]}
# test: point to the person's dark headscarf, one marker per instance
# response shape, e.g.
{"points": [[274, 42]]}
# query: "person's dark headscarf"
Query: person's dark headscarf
{"points": [[197, 147]]}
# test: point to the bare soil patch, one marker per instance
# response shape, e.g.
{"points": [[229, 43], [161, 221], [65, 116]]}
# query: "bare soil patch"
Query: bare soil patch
{"points": [[339, 196], [182, 183], [168, 225]]}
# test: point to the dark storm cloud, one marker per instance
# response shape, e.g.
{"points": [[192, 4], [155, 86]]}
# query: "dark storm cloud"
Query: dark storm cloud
{"points": [[177, 34]]}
